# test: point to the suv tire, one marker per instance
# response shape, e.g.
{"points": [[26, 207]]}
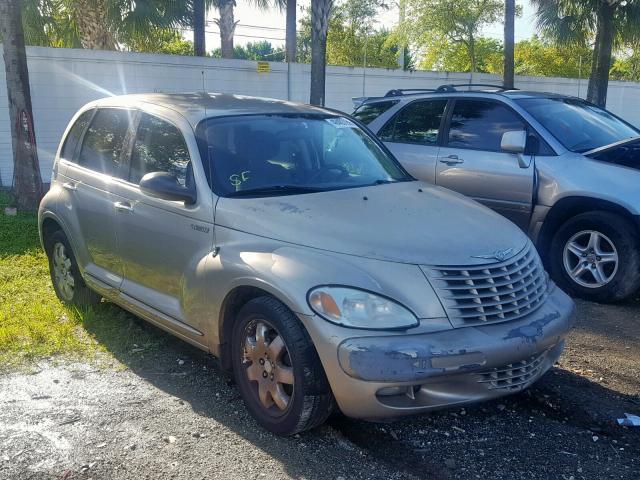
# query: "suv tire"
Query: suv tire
{"points": [[596, 256], [277, 368], [67, 281]]}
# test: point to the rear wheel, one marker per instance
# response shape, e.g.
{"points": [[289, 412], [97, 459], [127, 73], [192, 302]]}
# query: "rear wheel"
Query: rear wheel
{"points": [[596, 256], [65, 274], [277, 368]]}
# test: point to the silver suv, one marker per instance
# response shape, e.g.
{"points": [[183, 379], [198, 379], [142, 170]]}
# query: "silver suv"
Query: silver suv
{"points": [[287, 241], [562, 169]]}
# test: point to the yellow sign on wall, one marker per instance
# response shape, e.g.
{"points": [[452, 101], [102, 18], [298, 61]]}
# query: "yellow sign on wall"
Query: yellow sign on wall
{"points": [[264, 67]]}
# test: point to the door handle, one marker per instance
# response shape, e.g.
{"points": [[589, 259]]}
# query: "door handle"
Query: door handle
{"points": [[451, 160], [70, 186], [123, 206]]}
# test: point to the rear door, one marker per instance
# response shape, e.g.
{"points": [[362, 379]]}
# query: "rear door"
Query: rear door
{"points": [[471, 162], [87, 181], [412, 136], [161, 242]]}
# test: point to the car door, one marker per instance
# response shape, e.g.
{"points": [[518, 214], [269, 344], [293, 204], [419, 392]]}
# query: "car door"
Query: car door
{"points": [[161, 242], [412, 136], [86, 181], [471, 161]]}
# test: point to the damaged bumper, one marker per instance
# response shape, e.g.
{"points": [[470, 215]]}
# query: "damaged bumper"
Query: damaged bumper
{"points": [[382, 376]]}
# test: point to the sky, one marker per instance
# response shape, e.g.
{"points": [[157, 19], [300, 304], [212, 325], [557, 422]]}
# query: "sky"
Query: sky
{"points": [[255, 25]]}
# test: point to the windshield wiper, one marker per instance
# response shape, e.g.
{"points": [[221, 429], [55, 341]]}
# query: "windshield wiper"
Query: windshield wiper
{"points": [[275, 190]]}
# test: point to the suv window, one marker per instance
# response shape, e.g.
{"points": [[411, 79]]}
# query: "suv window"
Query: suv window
{"points": [[159, 147], [71, 142], [418, 122], [102, 145], [368, 112], [479, 124]]}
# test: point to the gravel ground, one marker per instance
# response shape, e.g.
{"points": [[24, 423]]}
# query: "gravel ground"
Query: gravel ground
{"points": [[171, 413]]}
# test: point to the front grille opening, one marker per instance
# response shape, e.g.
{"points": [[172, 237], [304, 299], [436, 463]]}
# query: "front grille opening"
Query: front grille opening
{"points": [[494, 292], [514, 375]]}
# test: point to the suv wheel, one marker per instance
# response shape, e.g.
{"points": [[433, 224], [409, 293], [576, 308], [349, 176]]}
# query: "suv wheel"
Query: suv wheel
{"points": [[596, 256], [277, 368], [65, 275]]}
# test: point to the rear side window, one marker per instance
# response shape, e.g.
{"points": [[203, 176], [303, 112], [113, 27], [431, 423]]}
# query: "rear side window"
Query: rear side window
{"points": [[368, 112], [103, 143], [479, 125], [159, 147], [418, 122], [71, 142]]}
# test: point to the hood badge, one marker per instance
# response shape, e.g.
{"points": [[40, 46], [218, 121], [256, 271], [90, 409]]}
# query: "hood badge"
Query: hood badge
{"points": [[500, 255]]}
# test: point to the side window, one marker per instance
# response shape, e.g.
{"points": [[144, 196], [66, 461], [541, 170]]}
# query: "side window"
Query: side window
{"points": [[159, 147], [71, 142], [479, 125], [418, 122], [368, 112], [103, 143]]}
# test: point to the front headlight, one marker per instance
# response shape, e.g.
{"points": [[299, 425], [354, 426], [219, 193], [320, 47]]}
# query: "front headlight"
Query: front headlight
{"points": [[354, 308]]}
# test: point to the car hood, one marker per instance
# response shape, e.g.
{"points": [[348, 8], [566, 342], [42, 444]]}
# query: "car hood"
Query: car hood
{"points": [[625, 153], [407, 222]]}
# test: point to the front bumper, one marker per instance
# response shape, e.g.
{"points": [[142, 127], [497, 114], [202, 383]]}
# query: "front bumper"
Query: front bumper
{"points": [[377, 376]]}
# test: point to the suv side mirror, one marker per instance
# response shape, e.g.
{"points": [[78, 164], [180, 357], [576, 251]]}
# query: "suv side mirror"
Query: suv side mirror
{"points": [[165, 186], [516, 142]]}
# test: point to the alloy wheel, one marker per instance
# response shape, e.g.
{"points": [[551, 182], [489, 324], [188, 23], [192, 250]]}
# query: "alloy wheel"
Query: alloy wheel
{"points": [[62, 274], [267, 366], [590, 258]]}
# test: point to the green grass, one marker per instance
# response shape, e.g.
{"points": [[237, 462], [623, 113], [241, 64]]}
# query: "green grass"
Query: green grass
{"points": [[33, 322]]}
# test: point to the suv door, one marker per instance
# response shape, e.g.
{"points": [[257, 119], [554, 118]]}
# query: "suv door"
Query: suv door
{"points": [[471, 161], [161, 242], [412, 136], [86, 180]]}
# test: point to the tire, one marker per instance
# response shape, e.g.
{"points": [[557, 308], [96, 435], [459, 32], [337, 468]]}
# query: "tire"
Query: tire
{"points": [[67, 281], [617, 239], [294, 407]]}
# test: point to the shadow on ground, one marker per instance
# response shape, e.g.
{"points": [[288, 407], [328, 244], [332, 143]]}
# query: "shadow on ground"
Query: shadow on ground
{"points": [[563, 426]]}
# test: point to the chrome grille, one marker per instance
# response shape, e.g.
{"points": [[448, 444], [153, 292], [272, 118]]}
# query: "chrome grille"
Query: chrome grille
{"points": [[514, 375], [490, 293]]}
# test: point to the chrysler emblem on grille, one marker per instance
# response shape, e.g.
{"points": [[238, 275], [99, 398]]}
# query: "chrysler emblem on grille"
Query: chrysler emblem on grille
{"points": [[499, 255]]}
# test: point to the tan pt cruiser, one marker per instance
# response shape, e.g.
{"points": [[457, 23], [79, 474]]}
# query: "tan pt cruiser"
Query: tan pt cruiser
{"points": [[286, 240]]}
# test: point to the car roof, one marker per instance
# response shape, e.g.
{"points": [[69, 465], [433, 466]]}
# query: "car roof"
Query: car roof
{"points": [[198, 106], [512, 94]]}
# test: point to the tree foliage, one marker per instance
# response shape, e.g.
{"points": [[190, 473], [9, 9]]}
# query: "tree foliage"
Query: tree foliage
{"points": [[350, 36], [262, 50], [432, 23]]}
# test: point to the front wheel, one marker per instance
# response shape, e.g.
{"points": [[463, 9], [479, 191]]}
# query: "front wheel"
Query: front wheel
{"points": [[596, 256], [277, 368]]}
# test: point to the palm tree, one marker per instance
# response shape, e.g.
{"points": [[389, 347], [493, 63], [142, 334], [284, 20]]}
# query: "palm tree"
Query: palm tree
{"points": [[199, 21], [27, 180], [320, 13], [292, 23], [608, 23], [509, 42]]}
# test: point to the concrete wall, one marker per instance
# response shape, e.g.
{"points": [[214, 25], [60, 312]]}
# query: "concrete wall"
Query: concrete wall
{"points": [[62, 80]]}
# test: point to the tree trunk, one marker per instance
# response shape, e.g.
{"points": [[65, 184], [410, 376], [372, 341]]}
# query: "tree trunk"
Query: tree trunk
{"points": [[472, 53], [27, 183], [320, 12], [290, 48], [199, 14], [509, 42], [93, 30], [227, 26], [599, 80]]}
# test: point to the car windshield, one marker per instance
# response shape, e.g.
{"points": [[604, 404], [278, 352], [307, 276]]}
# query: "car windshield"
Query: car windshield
{"points": [[290, 154], [578, 125]]}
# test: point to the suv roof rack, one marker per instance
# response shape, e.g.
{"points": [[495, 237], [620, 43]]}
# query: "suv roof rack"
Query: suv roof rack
{"points": [[447, 88]]}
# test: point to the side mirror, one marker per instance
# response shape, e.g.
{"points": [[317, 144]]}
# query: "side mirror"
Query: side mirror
{"points": [[516, 142], [165, 186]]}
